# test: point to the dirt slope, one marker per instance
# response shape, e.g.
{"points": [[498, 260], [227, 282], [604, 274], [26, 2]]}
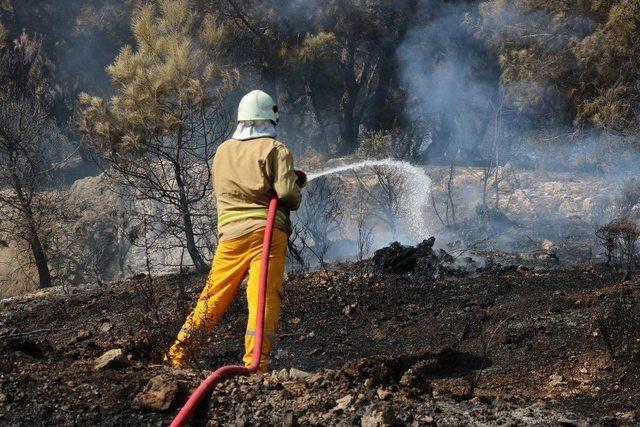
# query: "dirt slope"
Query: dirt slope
{"points": [[548, 347]]}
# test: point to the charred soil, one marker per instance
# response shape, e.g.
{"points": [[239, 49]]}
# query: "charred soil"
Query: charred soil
{"points": [[539, 347]]}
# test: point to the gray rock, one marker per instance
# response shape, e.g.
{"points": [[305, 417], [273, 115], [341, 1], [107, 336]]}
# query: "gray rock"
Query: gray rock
{"points": [[377, 415], [290, 420], [383, 394], [106, 326], [343, 403], [297, 374], [112, 359], [158, 395], [556, 380], [282, 375]]}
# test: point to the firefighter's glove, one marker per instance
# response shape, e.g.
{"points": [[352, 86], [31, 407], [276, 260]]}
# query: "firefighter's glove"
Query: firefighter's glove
{"points": [[302, 178]]}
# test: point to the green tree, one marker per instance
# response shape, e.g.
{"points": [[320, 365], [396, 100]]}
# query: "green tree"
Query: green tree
{"points": [[564, 62], [532, 41], [330, 64], [608, 93], [158, 133], [80, 38], [349, 63]]}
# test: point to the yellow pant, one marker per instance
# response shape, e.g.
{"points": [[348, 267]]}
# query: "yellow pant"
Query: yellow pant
{"points": [[233, 259]]}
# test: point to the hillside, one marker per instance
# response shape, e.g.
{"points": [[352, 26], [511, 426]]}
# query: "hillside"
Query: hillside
{"points": [[504, 345]]}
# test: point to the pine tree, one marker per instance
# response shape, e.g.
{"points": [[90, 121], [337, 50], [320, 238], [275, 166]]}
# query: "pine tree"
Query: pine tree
{"points": [[157, 134]]}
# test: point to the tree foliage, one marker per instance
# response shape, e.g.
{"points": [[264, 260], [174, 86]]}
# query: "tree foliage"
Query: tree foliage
{"points": [[334, 65], [330, 62], [574, 61], [159, 130], [609, 58]]}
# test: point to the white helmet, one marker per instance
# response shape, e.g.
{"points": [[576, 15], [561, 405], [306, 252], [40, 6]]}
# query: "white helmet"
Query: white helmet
{"points": [[257, 105]]}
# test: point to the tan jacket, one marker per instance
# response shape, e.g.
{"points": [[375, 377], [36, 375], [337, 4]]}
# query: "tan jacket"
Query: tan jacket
{"points": [[246, 174]]}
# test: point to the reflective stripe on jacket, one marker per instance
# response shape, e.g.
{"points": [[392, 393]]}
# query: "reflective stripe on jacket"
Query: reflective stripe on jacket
{"points": [[256, 213], [246, 174]]}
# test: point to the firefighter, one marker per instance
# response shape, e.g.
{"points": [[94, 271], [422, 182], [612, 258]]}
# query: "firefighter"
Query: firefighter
{"points": [[248, 170]]}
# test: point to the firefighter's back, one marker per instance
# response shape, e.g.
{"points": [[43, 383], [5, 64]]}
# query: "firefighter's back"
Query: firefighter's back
{"points": [[243, 180]]}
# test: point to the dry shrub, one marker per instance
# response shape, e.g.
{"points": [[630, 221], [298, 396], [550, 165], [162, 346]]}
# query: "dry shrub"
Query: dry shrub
{"points": [[398, 144], [587, 162], [311, 160], [619, 326], [619, 238], [320, 215]]}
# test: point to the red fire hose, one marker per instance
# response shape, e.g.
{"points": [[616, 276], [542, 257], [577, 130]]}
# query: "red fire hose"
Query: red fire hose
{"points": [[227, 371]]}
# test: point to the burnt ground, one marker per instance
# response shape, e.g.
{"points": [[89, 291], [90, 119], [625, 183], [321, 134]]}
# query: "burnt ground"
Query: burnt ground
{"points": [[511, 346]]}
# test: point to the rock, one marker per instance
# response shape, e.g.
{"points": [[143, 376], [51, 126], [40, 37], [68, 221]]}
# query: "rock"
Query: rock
{"points": [[427, 419], [315, 378], [282, 375], [343, 403], [546, 245], [627, 417], [297, 374], [158, 395], [80, 336], [348, 309], [106, 326], [383, 394], [556, 380], [290, 420], [412, 378], [281, 354], [377, 415], [112, 359], [378, 334]]}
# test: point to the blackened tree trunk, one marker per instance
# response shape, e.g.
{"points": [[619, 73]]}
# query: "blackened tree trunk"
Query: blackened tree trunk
{"points": [[41, 261], [381, 116], [30, 233], [187, 223], [194, 253], [349, 122], [349, 129]]}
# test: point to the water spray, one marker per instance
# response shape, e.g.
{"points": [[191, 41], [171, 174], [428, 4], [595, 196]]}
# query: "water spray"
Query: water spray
{"points": [[415, 196]]}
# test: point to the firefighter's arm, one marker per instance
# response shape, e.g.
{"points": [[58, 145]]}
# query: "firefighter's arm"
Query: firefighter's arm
{"points": [[284, 179]]}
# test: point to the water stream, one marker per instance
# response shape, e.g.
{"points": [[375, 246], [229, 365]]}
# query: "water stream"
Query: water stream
{"points": [[414, 197]]}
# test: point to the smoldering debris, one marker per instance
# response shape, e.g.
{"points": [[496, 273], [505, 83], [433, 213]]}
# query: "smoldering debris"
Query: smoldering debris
{"points": [[425, 260], [422, 260]]}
